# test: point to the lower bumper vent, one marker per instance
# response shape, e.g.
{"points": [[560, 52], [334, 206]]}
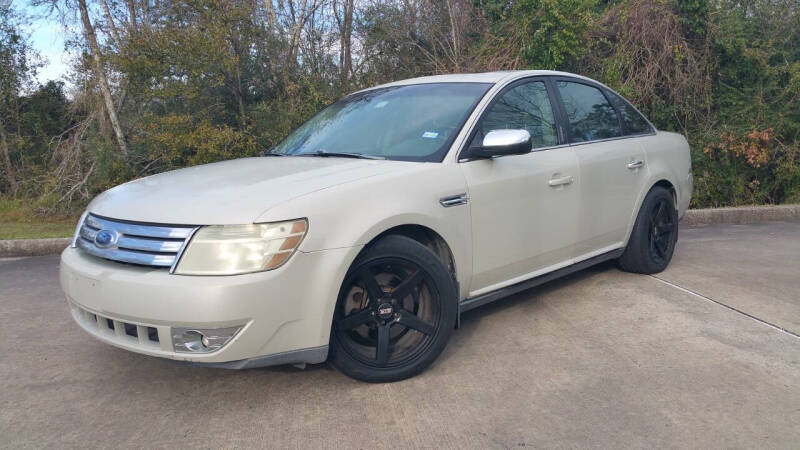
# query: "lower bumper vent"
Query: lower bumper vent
{"points": [[130, 333]]}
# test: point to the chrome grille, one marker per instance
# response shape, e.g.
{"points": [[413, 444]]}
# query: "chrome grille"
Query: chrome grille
{"points": [[135, 243]]}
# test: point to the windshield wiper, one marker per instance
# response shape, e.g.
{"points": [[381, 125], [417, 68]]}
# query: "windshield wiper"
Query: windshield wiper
{"points": [[269, 153], [325, 153]]}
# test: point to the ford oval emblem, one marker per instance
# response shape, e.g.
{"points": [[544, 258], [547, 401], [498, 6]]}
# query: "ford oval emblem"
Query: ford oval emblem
{"points": [[105, 238]]}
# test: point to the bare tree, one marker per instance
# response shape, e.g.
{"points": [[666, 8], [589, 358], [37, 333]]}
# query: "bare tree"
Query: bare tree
{"points": [[343, 12], [292, 16], [111, 25], [91, 40], [661, 64]]}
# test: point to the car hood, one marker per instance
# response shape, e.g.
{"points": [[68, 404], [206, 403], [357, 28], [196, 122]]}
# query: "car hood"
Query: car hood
{"points": [[231, 192]]}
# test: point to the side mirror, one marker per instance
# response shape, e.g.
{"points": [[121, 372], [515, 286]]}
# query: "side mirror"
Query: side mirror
{"points": [[503, 142]]}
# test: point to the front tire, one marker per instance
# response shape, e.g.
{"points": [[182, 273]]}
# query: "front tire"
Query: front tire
{"points": [[395, 312], [654, 234]]}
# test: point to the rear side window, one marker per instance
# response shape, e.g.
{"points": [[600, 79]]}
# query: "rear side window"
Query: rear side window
{"points": [[633, 122], [523, 107], [590, 115]]}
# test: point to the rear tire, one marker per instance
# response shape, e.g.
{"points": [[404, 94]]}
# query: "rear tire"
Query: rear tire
{"points": [[395, 312], [654, 234]]}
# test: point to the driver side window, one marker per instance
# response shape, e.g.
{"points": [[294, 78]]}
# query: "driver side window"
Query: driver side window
{"points": [[523, 107]]}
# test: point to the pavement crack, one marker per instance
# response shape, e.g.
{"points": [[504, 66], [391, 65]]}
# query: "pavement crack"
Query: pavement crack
{"points": [[739, 311]]}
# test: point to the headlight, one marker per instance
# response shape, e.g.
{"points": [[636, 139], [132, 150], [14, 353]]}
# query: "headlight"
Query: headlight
{"points": [[237, 249]]}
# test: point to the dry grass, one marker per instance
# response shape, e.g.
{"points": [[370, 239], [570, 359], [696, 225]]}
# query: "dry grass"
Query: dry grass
{"points": [[18, 220], [22, 230]]}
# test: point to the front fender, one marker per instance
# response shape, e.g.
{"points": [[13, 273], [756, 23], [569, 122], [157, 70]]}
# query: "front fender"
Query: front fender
{"points": [[353, 214]]}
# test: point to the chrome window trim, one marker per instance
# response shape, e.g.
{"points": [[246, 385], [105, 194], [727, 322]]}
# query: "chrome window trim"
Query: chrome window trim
{"points": [[535, 150], [544, 78], [617, 138], [565, 119], [604, 90], [574, 144], [503, 87], [653, 128]]}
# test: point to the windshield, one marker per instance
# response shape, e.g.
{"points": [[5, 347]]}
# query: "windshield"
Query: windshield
{"points": [[412, 123]]}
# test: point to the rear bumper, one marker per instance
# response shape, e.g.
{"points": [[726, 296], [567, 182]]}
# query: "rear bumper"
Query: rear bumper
{"points": [[686, 189], [285, 314]]}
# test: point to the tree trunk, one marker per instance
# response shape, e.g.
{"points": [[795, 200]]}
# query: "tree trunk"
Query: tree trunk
{"points": [[131, 11], [240, 90], [91, 39], [12, 180], [298, 28], [347, 66], [146, 15], [455, 36], [111, 25], [272, 19], [345, 23]]}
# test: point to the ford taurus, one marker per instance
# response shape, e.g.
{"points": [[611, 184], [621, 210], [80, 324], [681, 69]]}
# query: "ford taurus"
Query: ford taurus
{"points": [[362, 236]]}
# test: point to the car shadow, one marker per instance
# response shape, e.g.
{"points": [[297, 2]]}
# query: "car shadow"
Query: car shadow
{"points": [[471, 320], [470, 325]]}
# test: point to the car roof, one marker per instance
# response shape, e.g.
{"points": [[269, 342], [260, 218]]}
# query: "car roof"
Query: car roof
{"points": [[484, 77]]}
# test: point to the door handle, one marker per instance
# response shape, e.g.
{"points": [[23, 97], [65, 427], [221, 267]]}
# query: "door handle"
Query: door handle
{"points": [[635, 164], [562, 181]]}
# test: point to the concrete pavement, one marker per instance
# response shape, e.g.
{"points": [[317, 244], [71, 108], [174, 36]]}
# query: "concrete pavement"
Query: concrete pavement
{"points": [[754, 268], [599, 359]]}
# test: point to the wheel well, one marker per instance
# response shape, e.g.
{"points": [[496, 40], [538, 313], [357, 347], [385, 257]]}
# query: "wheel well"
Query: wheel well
{"points": [[426, 237], [667, 185]]}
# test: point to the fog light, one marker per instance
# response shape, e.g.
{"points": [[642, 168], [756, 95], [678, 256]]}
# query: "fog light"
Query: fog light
{"points": [[201, 340]]}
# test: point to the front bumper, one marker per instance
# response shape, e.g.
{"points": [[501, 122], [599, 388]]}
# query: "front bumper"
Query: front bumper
{"points": [[285, 314]]}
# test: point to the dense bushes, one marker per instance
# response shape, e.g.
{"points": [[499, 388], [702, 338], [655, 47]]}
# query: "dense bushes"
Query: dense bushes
{"points": [[198, 81]]}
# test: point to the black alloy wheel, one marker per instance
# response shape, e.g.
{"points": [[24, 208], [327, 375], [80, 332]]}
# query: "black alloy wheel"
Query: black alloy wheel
{"points": [[662, 227], [394, 313], [654, 235]]}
